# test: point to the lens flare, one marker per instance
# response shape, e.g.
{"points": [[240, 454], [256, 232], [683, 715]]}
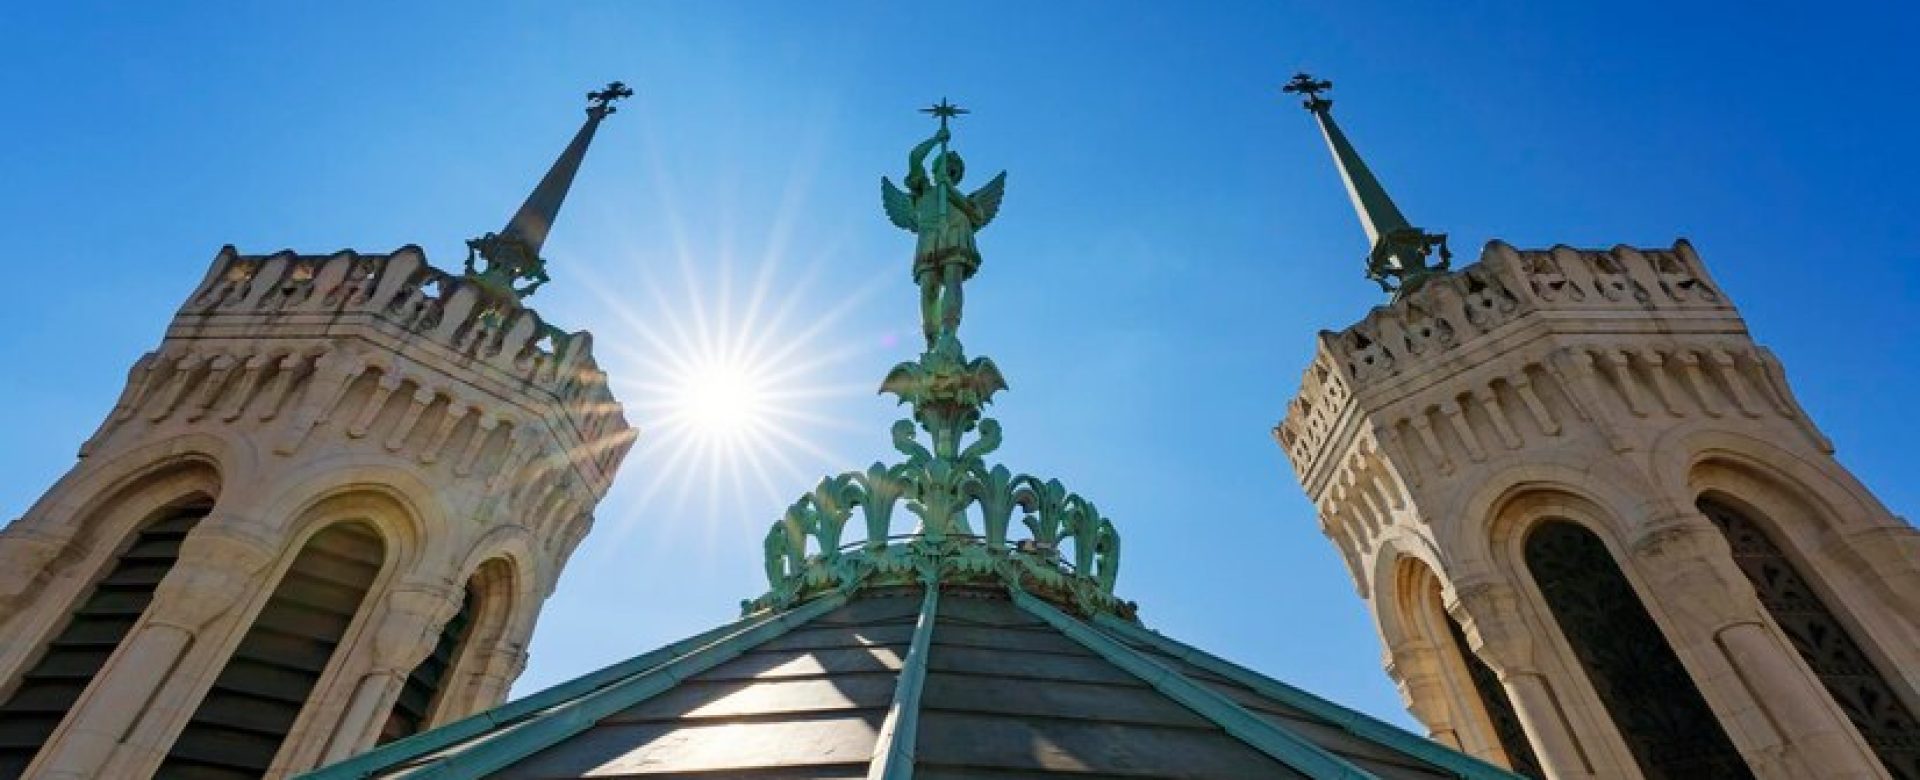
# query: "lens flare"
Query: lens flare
{"points": [[718, 397]]}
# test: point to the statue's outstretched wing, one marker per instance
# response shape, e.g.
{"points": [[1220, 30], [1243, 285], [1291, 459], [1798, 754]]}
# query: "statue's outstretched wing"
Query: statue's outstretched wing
{"points": [[899, 206], [986, 200]]}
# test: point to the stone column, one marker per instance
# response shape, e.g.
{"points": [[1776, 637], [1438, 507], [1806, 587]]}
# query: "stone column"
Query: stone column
{"points": [[1415, 669], [410, 623], [1691, 570], [1489, 614], [496, 670], [219, 567]]}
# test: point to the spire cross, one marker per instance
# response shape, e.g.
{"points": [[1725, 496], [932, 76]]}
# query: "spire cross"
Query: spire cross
{"points": [[1399, 256], [513, 255], [944, 110], [602, 101], [1310, 88]]}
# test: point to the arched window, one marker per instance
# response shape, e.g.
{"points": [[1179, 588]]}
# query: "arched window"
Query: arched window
{"points": [[242, 722], [49, 688], [1662, 717], [1493, 698], [1849, 676]]}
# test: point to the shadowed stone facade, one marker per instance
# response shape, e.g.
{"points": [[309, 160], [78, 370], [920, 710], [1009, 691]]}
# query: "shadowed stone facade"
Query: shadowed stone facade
{"points": [[1461, 442], [461, 439]]}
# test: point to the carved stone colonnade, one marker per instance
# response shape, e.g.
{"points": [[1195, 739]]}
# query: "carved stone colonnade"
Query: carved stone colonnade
{"points": [[228, 566], [295, 395], [1773, 707]]}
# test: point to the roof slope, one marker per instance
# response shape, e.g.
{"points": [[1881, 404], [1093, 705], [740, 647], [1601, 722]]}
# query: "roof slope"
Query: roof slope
{"points": [[887, 682]]}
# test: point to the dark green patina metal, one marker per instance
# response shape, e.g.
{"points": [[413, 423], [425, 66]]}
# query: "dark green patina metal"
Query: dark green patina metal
{"points": [[512, 256], [1402, 257], [945, 481]]}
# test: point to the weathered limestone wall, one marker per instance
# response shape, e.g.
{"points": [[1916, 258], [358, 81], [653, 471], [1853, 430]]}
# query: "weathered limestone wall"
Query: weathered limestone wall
{"points": [[1613, 389], [295, 392]]}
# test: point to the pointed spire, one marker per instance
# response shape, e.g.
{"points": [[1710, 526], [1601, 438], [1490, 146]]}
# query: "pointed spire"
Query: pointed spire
{"points": [[513, 254], [1399, 253]]}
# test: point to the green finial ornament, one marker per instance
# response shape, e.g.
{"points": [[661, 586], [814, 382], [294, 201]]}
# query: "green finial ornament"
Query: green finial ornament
{"points": [[1400, 254], [964, 505], [512, 256]]}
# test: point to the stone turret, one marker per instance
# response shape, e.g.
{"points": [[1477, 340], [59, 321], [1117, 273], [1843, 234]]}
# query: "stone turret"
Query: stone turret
{"points": [[1599, 535], [323, 514]]}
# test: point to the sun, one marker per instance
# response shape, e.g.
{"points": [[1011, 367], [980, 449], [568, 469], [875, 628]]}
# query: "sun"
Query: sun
{"points": [[721, 397], [728, 371]]}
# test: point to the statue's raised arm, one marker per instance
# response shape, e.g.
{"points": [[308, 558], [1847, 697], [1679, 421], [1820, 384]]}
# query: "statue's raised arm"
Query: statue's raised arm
{"points": [[900, 205]]}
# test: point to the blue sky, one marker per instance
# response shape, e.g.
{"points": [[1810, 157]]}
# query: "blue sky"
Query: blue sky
{"points": [[1173, 233]]}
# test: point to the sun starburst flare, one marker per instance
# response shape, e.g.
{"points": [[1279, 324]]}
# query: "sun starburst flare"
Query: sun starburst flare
{"points": [[732, 384]]}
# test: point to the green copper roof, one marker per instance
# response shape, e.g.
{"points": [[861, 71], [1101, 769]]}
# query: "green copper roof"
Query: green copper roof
{"points": [[950, 650], [905, 682], [1398, 252]]}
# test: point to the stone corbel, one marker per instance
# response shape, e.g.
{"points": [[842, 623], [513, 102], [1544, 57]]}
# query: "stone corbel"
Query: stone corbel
{"points": [[456, 411], [1656, 361], [1523, 387], [1573, 368], [175, 387], [208, 394], [1489, 402], [1728, 370], [1488, 612], [333, 375], [243, 387], [390, 380], [1620, 365], [1457, 418]]}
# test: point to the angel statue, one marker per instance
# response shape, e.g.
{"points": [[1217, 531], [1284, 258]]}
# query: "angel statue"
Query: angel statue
{"points": [[933, 207]]}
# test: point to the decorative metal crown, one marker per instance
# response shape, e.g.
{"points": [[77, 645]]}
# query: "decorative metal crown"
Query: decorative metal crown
{"points": [[963, 505]]}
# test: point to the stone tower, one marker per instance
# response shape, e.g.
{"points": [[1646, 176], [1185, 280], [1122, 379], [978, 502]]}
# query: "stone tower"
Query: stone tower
{"points": [[1598, 535], [322, 515]]}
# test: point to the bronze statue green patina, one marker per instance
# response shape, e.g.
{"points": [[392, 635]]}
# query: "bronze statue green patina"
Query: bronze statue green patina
{"points": [[512, 256], [933, 207], [945, 481], [1398, 257]]}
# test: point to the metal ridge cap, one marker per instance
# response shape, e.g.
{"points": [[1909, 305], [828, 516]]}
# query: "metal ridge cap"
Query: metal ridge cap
{"points": [[549, 727], [512, 713], [1284, 746], [893, 747], [1358, 723]]}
